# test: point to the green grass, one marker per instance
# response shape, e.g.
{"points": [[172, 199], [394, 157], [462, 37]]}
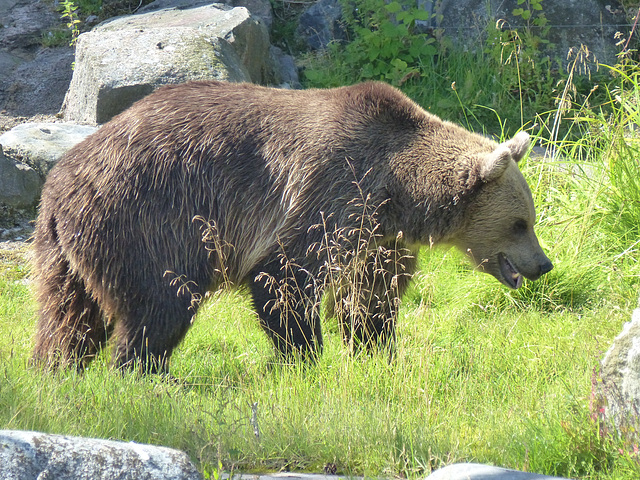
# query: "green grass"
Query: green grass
{"points": [[481, 373]]}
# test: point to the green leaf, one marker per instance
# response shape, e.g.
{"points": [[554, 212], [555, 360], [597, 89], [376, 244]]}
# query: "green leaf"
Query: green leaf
{"points": [[421, 15], [415, 49], [404, 17], [393, 7], [517, 12], [389, 30], [526, 14], [399, 64], [367, 71], [541, 21]]}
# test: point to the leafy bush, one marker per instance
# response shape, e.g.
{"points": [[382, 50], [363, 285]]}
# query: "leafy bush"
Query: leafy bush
{"points": [[385, 41], [506, 74]]}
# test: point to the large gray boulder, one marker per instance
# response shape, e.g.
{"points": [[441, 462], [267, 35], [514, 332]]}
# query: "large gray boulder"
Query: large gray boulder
{"points": [[617, 391], [125, 59], [593, 23], [31, 455]]}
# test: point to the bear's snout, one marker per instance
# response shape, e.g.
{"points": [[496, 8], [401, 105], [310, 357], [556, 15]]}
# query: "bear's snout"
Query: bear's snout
{"points": [[545, 266], [510, 270]]}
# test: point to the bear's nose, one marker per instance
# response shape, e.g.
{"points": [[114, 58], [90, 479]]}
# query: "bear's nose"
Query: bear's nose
{"points": [[546, 266]]}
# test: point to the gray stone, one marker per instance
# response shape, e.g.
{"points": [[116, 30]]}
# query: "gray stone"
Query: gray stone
{"points": [[593, 23], [287, 476], [20, 187], [125, 59], [458, 471], [173, 4], [9, 61], [23, 21], [41, 145], [31, 455], [286, 69], [475, 471], [258, 8], [33, 79], [321, 24], [37, 85], [617, 395]]}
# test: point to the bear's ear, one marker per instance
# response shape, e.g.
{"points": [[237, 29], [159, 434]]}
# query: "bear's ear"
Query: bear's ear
{"points": [[518, 145], [495, 163]]}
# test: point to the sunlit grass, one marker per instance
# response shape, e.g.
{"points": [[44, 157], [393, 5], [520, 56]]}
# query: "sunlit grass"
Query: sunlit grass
{"points": [[481, 373]]}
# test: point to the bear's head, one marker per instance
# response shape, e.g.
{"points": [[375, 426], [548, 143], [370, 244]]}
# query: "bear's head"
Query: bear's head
{"points": [[497, 232]]}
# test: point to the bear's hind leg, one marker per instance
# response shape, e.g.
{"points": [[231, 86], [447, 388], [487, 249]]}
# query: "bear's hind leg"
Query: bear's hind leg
{"points": [[71, 329], [285, 299]]}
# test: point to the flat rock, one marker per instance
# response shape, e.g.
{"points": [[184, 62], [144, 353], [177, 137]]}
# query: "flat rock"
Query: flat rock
{"points": [[20, 186], [476, 471], [41, 145], [31, 455]]}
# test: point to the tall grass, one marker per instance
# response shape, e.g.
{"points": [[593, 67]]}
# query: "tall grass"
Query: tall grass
{"points": [[481, 373], [472, 380]]}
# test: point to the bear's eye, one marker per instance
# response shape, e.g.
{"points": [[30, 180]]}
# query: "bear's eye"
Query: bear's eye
{"points": [[519, 227]]}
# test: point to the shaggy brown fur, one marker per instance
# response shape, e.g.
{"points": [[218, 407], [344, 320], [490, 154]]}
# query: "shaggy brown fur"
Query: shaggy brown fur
{"points": [[209, 183]]}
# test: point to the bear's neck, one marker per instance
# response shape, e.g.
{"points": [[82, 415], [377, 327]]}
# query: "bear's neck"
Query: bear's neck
{"points": [[430, 213]]}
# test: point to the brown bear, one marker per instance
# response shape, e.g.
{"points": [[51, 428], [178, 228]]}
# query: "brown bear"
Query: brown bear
{"points": [[207, 183]]}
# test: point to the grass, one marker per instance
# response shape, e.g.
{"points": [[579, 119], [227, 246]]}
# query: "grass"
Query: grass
{"points": [[482, 373]]}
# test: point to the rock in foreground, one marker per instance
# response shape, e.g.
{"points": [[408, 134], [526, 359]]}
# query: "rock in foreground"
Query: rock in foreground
{"points": [[30, 455]]}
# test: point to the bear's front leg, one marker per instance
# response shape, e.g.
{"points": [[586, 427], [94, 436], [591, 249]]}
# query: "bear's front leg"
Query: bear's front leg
{"points": [[365, 302], [287, 301]]}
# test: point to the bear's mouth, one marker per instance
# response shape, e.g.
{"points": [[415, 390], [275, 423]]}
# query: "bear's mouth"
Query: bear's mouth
{"points": [[511, 276]]}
